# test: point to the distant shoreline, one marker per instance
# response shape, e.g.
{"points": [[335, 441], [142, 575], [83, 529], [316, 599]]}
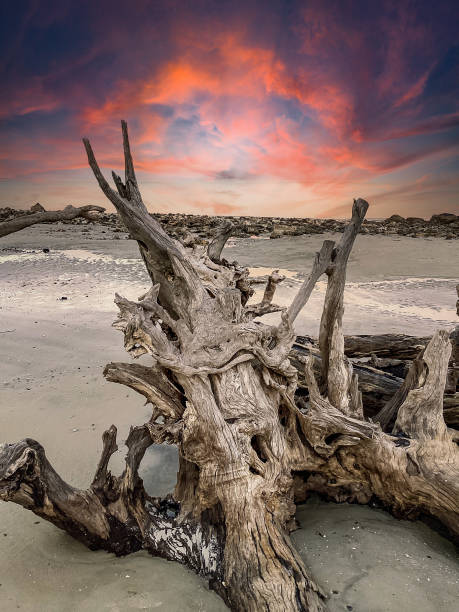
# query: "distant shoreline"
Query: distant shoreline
{"points": [[444, 225]]}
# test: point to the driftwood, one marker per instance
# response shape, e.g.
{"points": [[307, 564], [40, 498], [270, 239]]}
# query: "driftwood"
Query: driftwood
{"points": [[453, 370], [384, 381], [216, 245], [221, 387], [377, 386], [395, 346], [451, 410], [40, 215]]}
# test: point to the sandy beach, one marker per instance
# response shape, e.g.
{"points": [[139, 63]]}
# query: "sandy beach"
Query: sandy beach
{"points": [[53, 351]]}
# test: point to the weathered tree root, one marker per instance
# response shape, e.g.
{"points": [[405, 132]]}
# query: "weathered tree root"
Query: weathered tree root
{"points": [[222, 388], [411, 472]]}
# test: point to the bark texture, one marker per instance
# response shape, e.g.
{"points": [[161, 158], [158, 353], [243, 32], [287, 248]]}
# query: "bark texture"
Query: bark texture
{"points": [[222, 388], [380, 378], [51, 216]]}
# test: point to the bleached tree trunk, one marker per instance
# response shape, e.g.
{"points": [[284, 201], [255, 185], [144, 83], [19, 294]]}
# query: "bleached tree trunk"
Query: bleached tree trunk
{"points": [[221, 387], [50, 216]]}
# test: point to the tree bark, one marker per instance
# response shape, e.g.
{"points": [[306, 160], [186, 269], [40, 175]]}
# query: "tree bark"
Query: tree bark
{"points": [[413, 471], [222, 388], [380, 379], [68, 213], [395, 346], [377, 387], [216, 245]]}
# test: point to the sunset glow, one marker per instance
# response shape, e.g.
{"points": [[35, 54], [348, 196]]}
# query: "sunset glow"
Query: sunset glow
{"points": [[250, 108]]}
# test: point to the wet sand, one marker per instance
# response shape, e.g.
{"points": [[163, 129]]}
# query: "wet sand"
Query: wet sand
{"points": [[52, 353]]}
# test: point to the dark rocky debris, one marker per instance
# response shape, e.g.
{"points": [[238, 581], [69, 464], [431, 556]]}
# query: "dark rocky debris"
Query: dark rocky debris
{"points": [[444, 225]]}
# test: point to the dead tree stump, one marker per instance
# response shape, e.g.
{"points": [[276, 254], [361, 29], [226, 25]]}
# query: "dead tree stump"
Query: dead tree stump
{"points": [[221, 388]]}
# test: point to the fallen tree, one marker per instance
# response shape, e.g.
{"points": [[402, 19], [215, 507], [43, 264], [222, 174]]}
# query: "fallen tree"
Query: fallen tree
{"points": [[396, 346], [51, 216], [381, 377], [377, 387], [222, 388]]}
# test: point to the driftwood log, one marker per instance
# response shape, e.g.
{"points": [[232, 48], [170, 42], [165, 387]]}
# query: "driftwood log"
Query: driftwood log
{"points": [[43, 216], [395, 346], [377, 386], [221, 387], [381, 377]]}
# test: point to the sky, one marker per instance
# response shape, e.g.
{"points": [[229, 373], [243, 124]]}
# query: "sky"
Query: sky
{"points": [[247, 107]]}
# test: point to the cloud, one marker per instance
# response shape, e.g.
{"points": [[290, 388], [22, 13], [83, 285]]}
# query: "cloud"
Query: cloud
{"points": [[316, 95], [232, 174]]}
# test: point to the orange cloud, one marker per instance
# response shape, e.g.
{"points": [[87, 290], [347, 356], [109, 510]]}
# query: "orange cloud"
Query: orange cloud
{"points": [[327, 104]]}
